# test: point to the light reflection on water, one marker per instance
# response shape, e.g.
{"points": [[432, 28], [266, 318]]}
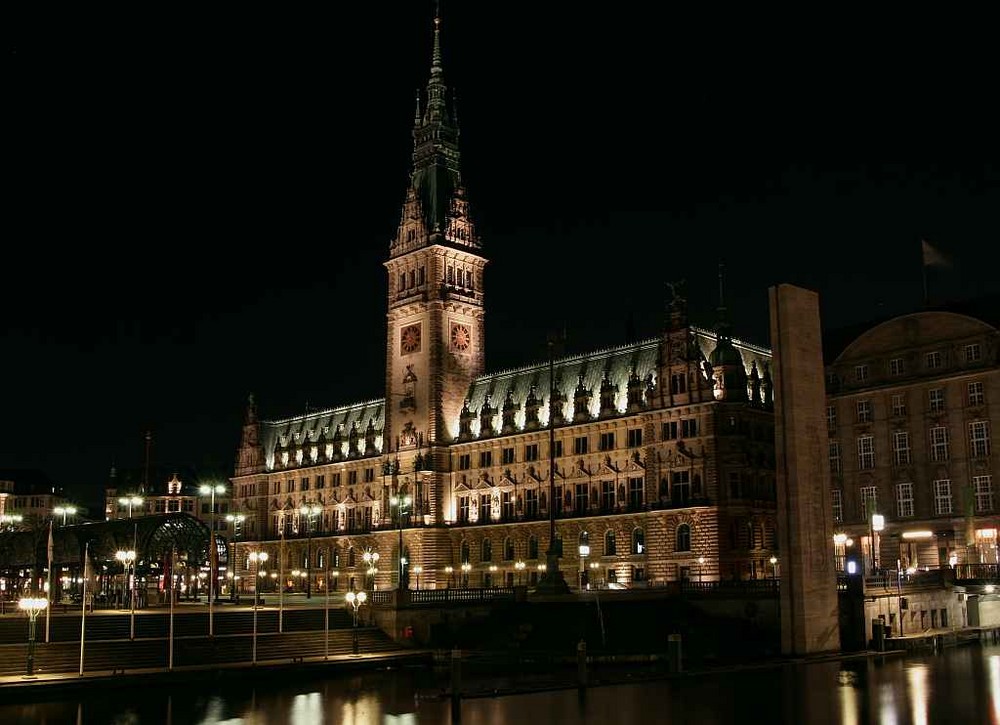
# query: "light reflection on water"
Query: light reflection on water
{"points": [[958, 685]]}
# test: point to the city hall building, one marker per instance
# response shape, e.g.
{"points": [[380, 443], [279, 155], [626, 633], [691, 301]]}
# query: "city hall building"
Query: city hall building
{"points": [[653, 461]]}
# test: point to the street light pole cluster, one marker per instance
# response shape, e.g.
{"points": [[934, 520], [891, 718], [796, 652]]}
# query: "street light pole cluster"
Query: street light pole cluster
{"points": [[402, 503], [210, 491], [131, 502], [371, 560], [310, 511], [127, 560], [64, 511], [356, 600]]}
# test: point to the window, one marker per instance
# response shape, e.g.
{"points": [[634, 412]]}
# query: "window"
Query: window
{"points": [[933, 360], [336, 480], [463, 509], [935, 400], [508, 549], [976, 394], [634, 437], [683, 542], [831, 419], [581, 501], [607, 442], [352, 478], [864, 411], [979, 439], [485, 502], [866, 452], [559, 451], [973, 353], [507, 505], [939, 444], [861, 373], [369, 475], [942, 496], [896, 366], [609, 543], [678, 383], [689, 428], [506, 456], [635, 493], [898, 405], [869, 501], [904, 500], [607, 496], [487, 550], [289, 486], [670, 430], [638, 542], [982, 486], [321, 481], [305, 484], [464, 554], [735, 483], [464, 462], [531, 452], [900, 448], [838, 504], [485, 459], [579, 445], [532, 547], [531, 503], [835, 462]]}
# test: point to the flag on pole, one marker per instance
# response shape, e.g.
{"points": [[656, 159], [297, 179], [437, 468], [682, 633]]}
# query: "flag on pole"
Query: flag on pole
{"points": [[932, 256]]}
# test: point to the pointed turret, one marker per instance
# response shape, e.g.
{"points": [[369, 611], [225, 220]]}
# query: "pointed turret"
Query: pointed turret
{"points": [[250, 458], [435, 209], [727, 363]]}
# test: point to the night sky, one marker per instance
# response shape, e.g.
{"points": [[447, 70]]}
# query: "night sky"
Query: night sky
{"points": [[199, 208]]}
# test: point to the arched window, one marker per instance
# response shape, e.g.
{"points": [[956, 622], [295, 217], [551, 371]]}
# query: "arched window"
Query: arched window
{"points": [[683, 542], [350, 556], [508, 549], [465, 552], [638, 542], [321, 559], [610, 549], [750, 536], [583, 543], [487, 552], [532, 547]]}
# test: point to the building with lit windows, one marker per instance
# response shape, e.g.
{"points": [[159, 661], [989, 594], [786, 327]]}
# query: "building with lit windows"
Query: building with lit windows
{"points": [[912, 403], [654, 459]]}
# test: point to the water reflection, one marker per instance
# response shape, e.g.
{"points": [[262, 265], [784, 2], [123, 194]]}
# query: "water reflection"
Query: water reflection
{"points": [[959, 684]]}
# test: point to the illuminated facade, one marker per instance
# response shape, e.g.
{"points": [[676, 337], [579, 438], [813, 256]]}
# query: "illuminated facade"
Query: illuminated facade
{"points": [[911, 409], [664, 461]]}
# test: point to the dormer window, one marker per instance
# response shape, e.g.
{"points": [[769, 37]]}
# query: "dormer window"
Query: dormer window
{"points": [[861, 373]]}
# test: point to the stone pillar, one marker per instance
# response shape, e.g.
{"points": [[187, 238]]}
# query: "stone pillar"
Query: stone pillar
{"points": [[809, 606]]}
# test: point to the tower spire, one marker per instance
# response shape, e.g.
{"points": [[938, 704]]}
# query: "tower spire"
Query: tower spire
{"points": [[722, 325]]}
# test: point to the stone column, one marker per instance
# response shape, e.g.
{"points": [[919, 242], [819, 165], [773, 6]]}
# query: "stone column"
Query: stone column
{"points": [[809, 602]]}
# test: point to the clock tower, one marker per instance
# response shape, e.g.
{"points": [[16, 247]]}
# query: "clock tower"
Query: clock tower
{"points": [[435, 341]]}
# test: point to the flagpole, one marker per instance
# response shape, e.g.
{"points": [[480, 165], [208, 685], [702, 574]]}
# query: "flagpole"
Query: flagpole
{"points": [[48, 593], [83, 602]]}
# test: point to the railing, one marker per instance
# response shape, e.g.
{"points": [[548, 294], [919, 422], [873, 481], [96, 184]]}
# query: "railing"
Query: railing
{"points": [[395, 597], [728, 586], [977, 572]]}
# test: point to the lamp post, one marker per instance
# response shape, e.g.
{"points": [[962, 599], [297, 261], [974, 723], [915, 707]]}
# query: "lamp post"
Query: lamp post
{"points": [[210, 491], [257, 558], [32, 606], [418, 570], [519, 568], [466, 567], [64, 511], [877, 524], [127, 557], [10, 521], [310, 511], [402, 503], [356, 600], [701, 563], [584, 550], [236, 521], [130, 501], [774, 567], [450, 571]]}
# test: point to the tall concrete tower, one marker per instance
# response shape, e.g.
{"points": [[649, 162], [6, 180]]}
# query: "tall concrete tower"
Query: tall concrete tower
{"points": [[809, 606]]}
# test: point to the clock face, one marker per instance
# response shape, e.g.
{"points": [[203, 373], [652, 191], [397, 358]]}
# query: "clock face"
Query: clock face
{"points": [[409, 338], [460, 337]]}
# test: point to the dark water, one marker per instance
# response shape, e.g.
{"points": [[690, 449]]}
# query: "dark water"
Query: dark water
{"points": [[959, 685]]}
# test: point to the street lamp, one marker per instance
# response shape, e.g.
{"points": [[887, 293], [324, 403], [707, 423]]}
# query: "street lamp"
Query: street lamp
{"points": [[356, 600], [127, 557], [402, 503], [310, 511], [130, 501], [210, 491], [10, 520], [519, 568], [466, 568], [877, 524], [450, 571], [64, 511], [236, 522], [371, 559], [774, 567], [257, 558], [32, 606], [701, 563], [418, 570], [584, 550]]}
